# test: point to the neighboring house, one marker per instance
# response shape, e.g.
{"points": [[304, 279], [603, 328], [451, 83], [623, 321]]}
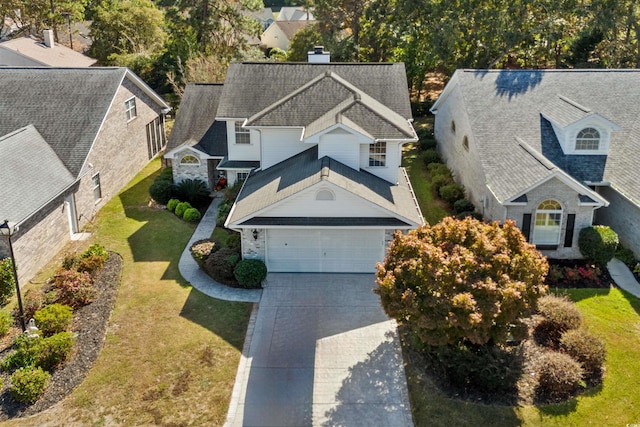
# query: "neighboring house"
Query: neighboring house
{"points": [[295, 13], [280, 33], [319, 151], [554, 150], [264, 17], [72, 138], [29, 51]]}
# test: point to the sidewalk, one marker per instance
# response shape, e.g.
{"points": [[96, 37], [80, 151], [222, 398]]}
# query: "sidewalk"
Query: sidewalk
{"points": [[191, 271], [623, 277]]}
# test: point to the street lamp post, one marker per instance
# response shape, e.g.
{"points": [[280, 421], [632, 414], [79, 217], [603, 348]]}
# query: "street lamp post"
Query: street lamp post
{"points": [[9, 230]]}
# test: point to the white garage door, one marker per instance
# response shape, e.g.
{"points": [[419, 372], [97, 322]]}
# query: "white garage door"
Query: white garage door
{"points": [[324, 251]]}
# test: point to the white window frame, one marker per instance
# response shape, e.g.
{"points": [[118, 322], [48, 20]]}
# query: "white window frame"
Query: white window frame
{"points": [[130, 108], [243, 135], [378, 154], [242, 176], [96, 187], [547, 228], [189, 163], [586, 143]]}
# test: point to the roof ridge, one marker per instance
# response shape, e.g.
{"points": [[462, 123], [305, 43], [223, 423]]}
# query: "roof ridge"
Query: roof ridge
{"points": [[575, 104], [535, 154]]}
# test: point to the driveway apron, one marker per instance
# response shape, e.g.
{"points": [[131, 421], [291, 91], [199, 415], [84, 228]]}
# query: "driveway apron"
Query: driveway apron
{"points": [[322, 352]]}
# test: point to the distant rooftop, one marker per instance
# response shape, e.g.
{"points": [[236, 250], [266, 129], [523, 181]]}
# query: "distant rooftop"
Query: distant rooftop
{"points": [[57, 56]]}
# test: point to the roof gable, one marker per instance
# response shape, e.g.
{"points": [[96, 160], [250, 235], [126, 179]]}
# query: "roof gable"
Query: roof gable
{"points": [[25, 188]]}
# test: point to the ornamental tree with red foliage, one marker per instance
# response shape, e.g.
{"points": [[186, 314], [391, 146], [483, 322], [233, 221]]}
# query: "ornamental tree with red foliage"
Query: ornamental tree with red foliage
{"points": [[461, 281]]}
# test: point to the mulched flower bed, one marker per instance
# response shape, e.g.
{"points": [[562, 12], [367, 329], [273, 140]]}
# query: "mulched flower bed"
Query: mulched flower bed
{"points": [[577, 274], [90, 325]]}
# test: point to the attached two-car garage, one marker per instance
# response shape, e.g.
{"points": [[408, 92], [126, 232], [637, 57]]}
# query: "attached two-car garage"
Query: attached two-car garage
{"points": [[324, 250]]}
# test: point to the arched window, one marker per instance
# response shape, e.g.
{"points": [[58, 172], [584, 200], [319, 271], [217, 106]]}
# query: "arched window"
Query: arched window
{"points": [[325, 195], [189, 160], [588, 139], [548, 223]]}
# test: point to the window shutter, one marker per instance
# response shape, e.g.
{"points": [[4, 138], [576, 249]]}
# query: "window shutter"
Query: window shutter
{"points": [[526, 225], [568, 236]]}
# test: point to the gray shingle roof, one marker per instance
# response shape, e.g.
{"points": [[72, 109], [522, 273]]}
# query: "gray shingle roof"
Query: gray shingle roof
{"points": [[195, 122], [252, 87], [334, 101], [26, 188], [266, 187], [66, 105], [505, 104]]}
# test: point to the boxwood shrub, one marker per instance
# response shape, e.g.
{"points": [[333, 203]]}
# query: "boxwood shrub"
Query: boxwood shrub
{"points": [[162, 190], [586, 348], [559, 375], [171, 204], [431, 156], [181, 208], [438, 169], [191, 215], [463, 205], [451, 192], [53, 319], [598, 244], [559, 314], [250, 273]]}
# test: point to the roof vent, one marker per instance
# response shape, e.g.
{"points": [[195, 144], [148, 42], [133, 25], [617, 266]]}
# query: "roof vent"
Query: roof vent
{"points": [[318, 55]]}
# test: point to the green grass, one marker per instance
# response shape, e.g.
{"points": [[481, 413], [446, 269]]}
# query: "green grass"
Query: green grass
{"points": [[433, 209], [611, 314], [171, 353]]}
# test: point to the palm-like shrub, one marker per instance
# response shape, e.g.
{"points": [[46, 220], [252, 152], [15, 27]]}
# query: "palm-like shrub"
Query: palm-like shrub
{"points": [[194, 191]]}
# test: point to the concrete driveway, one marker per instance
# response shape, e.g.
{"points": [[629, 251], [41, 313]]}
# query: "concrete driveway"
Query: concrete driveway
{"points": [[321, 352]]}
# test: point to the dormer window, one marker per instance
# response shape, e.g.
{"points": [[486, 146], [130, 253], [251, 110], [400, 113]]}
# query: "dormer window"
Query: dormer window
{"points": [[588, 139], [378, 154], [243, 135]]}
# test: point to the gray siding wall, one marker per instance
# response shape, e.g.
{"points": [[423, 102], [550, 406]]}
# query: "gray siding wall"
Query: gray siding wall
{"points": [[568, 198], [622, 216], [464, 163]]}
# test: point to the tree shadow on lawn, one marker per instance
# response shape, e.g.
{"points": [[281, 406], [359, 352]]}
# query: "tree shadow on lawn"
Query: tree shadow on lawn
{"points": [[226, 319], [163, 236]]}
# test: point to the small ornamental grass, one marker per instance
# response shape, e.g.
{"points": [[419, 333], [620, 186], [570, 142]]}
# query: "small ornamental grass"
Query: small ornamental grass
{"points": [[559, 315], [28, 384], [559, 376], [586, 348], [53, 319]]}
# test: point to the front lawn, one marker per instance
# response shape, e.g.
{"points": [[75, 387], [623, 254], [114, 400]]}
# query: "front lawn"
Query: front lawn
{"points": [[171, 353], [610, 313]]}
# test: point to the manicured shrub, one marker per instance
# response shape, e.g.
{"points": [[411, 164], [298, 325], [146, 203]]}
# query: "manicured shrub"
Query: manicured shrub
{"points": [[586, 348], [194, 191], [559, 375], [234, 241], [223, 212], [53, 319], [438, 169], [250, 273], [166, 173], [439, 181], [220, 265], [54, 350], [24, 354], [28, 384], [474, 215], [7, 282], [191, 215], [559, 315], [95, 250], [6, 320], [463, 205], [162, 190], [598, 244], [431, 156], [171, 204], [627, 256], [428, 144], [451, 193], [201, 249], [181, 208], [74, 288]]}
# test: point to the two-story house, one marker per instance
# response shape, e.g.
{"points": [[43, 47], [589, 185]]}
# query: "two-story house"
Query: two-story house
{"points": [[554, 150], [70, 139], [318, 149]]}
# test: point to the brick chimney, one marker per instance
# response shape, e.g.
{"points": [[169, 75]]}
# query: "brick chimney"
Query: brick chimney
{"points": [[318, 55], [48, 38]]}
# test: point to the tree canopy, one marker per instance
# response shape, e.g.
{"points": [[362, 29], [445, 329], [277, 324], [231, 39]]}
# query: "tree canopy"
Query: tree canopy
{"points": [[461, 281]]}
